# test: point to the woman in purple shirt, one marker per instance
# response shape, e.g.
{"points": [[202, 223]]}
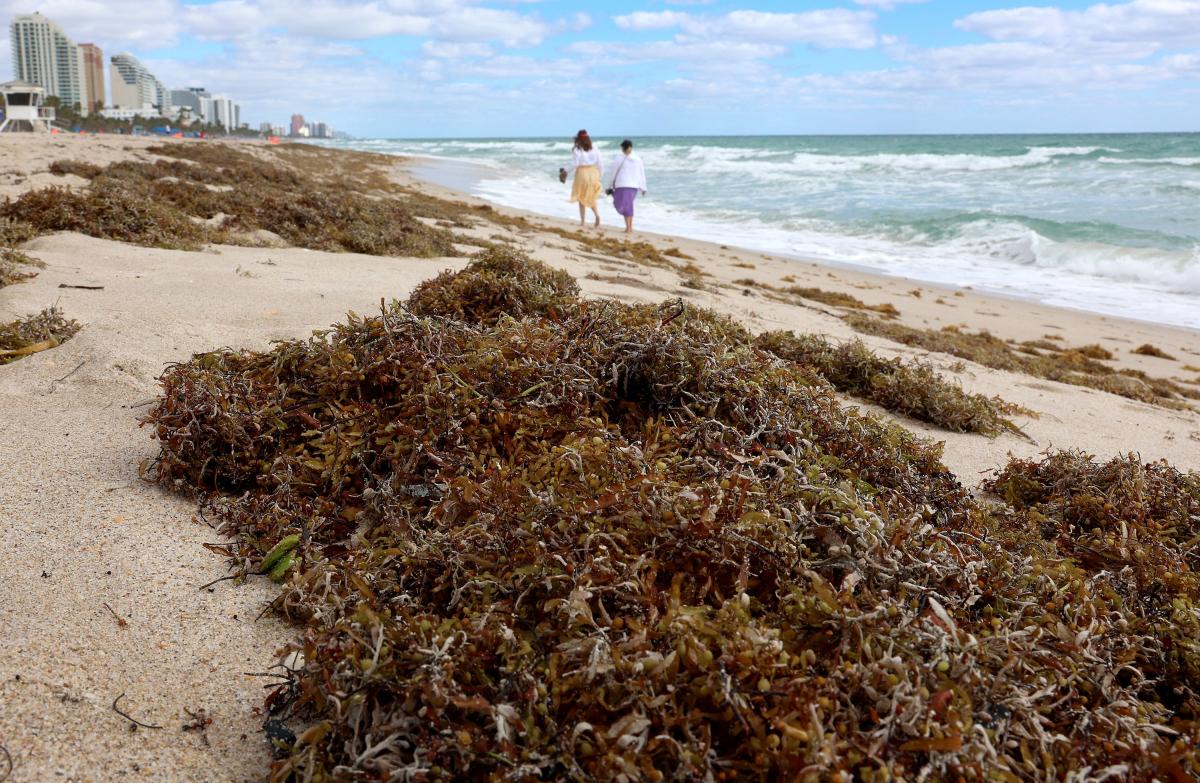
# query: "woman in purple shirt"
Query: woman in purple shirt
{"points": [[629, 178]]}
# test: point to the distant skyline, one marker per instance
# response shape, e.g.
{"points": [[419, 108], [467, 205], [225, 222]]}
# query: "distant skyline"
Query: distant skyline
{"points": [[428, 68]]}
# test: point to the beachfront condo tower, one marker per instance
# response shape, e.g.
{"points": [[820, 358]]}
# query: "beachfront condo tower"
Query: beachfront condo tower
{"points": [[197, 101], [44, 55], [225, 112], [93, 76], [134, 87]]}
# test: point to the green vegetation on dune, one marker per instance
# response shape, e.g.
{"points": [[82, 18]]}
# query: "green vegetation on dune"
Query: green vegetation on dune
{"points": [[601, 541]]}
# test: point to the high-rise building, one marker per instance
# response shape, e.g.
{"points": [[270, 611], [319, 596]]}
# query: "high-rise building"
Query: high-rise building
{"points": [[162, 98], [134, 87], [44, 55], [297, 124], [224, 112], [93, 76], [197, 100]]}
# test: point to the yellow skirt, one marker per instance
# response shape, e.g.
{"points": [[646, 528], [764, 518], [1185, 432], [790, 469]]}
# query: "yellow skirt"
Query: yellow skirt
{"points": [[586, 187]]}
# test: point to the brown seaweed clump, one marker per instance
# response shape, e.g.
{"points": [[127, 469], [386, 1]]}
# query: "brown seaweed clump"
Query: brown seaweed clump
{"points": [[611, 542], [1129, 529], [78, 168], [1076, 367], [15, 265], [33, 334], [840, 299], [791, 293], [1153, 350], [107, 209], [1123, 514], [503, 281], [909, 388], [215, 193]]}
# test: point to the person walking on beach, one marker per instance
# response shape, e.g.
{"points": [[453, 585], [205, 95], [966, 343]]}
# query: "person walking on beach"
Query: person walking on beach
{"points": [[585, 162], [629, 178]]}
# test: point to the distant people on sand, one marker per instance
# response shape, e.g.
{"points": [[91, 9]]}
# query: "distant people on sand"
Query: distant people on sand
{"points": [[628, 179], [585, 162]]}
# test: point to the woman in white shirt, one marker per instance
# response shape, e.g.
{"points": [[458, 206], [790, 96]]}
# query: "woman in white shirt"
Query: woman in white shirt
{"points": [[585, 162], [629, 178]]}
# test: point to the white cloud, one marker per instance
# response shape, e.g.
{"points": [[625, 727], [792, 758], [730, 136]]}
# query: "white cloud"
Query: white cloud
{"points": [[489, 24], [622, 53], [1157, 23], [578, 23], [652, 20], [830, 28], [887, 5], [455, 51], [157, 22]]}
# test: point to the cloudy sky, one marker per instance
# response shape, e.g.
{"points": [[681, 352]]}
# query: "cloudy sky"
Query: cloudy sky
{"points": [[422, 68]]}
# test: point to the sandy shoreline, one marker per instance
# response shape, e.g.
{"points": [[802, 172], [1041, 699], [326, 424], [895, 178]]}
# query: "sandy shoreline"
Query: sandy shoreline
{"points": [[78, 529]]}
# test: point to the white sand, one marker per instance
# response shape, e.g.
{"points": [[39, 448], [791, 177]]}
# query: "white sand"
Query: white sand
{"points": [[78, 529]]}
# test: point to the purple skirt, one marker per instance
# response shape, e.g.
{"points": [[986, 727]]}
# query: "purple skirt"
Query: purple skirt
{"points": [[623, 200]]}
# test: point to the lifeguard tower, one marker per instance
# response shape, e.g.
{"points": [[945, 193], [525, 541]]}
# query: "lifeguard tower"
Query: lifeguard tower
{"points": [[23, 109]]}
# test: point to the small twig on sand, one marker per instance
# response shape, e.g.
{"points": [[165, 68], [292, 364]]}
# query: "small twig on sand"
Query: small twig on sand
{"points": [[120, 620], [72, 372], [221, 579], [6, 764], [129, 717], [83, 287]]}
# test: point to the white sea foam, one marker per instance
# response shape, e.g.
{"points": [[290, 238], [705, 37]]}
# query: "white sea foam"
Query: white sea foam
{"points": [[1188, 162]]}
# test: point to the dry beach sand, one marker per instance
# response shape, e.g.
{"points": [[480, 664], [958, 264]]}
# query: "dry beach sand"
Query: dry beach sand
{"points": [[80, 532]]}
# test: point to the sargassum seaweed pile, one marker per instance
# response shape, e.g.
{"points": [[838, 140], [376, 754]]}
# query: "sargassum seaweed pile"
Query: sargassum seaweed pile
{"points": [[218, 193], [608, 542], [912, 388]]}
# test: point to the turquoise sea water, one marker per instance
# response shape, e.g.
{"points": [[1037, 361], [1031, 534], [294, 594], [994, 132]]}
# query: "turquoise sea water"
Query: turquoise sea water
{"points": [[1108, 223]]}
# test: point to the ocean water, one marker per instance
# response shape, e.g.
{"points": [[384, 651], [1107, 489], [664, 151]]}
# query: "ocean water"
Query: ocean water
{"points": [[1105, 223]]}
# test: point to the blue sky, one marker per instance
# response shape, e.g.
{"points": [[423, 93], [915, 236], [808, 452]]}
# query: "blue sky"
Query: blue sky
{"points": [[546, 67]]}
